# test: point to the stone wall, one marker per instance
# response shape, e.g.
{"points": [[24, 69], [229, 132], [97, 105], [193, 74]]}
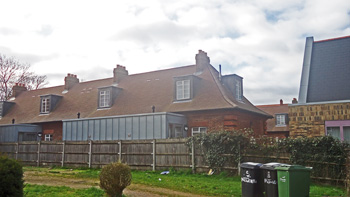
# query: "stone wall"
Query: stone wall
{"points": [[309, 120]]}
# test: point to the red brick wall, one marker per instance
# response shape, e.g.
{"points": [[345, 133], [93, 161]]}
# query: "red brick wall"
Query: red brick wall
{"points": [[54, 128], [219, 120]]}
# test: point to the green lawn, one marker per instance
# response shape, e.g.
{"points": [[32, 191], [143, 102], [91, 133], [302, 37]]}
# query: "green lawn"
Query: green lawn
{"points": [[215, 185], [50, 191]]}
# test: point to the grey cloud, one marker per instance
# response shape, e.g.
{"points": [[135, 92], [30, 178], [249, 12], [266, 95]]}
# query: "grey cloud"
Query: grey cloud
{"points": [[45, 30], [8, 31], [25, 57], [157, 32]]}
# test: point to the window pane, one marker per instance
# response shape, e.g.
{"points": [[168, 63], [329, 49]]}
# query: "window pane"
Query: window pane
{"points": [[346, 133], [281, 119], [183, 89], [334, 132]]}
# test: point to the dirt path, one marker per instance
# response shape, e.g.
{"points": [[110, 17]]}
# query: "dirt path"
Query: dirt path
{"points": [[39, 178]]}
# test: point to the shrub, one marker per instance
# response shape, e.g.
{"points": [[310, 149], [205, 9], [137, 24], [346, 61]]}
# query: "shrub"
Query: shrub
{"points": [[11, 177], [114, 178]]}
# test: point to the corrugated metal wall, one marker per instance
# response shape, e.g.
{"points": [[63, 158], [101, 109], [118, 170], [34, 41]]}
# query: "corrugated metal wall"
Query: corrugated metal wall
{"points": [[9, 133], [131, 127]]}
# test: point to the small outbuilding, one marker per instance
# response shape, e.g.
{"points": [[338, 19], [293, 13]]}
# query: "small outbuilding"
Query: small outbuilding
{"points": [[20, 133], [129, 127]]}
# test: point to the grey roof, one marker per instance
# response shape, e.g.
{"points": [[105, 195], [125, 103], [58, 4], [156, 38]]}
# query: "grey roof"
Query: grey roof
{"points": [[328, 75]]}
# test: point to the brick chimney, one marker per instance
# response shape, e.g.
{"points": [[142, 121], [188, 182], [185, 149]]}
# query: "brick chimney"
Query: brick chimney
{"points": [[202, 60], [294, 101], [119, 72], [70, 80], [17, 89], [281, 102]]}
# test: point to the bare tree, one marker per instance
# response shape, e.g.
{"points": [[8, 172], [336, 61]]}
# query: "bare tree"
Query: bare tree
{"points": [[12, 71]]}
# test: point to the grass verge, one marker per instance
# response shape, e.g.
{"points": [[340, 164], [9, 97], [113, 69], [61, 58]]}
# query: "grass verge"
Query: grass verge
{"points": [[184, 181], [49, 191]]}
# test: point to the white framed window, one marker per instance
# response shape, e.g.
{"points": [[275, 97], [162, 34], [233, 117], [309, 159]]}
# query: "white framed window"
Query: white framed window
{"points": [[105, 98], [45, 105], [48, 137], [183, 90], [198, 130], [281, 119], [238, 92]]}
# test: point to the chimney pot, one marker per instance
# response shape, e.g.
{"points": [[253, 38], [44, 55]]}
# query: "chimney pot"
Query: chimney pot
{"points": [[70, 80], [202, 60], [119, 72], [294, 101]]}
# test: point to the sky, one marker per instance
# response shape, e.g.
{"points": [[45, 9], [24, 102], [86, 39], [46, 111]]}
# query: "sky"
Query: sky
{"points": [[261, 40]]}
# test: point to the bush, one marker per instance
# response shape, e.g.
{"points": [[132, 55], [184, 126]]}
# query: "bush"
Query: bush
{"points": [[11, 177], [114, 178]]}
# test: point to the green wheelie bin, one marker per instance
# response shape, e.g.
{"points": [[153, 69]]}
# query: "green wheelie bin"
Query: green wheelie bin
{"points": [[293, 180]]}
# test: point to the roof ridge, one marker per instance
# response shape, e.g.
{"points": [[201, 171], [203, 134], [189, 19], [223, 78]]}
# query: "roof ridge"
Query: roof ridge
{"points": [[330, 39]]}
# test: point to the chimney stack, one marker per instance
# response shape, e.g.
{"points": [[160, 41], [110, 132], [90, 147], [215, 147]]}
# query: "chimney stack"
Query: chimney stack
{"points": [[281, 102], [17, 89], [294, 101], [202, 60], [70, 80], [119, 72]]}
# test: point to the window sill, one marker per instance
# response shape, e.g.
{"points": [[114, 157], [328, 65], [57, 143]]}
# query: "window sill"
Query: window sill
{"points": [[182, 101]]}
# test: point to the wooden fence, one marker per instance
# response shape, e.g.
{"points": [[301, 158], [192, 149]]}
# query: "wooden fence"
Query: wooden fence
{"points": [[146, 155]]}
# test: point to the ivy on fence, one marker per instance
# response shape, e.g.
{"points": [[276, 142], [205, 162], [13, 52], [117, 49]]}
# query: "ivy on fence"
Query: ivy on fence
{"points": [[326, 154]]}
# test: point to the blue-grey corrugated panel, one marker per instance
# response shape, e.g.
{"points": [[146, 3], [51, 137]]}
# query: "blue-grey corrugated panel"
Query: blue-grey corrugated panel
{"points": [[164, 127], [128, 128], [147, 126], [157, 122], [85, 129], [91, 129], [150, 130], [109, 133], [135, 128], [143, 128], [115, 129], [103, 129], [330, 71], [80, 130], [9, 133]]}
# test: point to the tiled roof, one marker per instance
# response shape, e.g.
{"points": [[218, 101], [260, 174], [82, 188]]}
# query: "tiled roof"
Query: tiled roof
{"points": [[139, 93], [326, 71], [273, 110]]}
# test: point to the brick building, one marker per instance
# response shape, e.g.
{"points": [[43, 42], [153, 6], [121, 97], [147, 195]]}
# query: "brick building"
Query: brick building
{"points": [[176, 102], [324, 96], [278, 126]]}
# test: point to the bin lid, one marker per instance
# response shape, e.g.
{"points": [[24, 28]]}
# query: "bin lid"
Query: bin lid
{"points": [[272, 165], [293, 168], [251, 165]]}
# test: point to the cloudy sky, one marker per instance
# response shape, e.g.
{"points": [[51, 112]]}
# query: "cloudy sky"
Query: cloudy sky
{"points": [[261, 40]]}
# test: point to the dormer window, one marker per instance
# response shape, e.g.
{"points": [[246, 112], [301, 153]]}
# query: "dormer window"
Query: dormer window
{"points": [[238, 91], [106, 96], [48, 103], [235, 84], [183, 87], [45, 105], [281, 120]]}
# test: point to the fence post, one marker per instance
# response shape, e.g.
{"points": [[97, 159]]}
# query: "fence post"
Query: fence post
{"points": [[120, 151], [193, 157], [90, 153], [38, 164], [239, 159], [17, 146], [63, 150], [154, 155]]}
